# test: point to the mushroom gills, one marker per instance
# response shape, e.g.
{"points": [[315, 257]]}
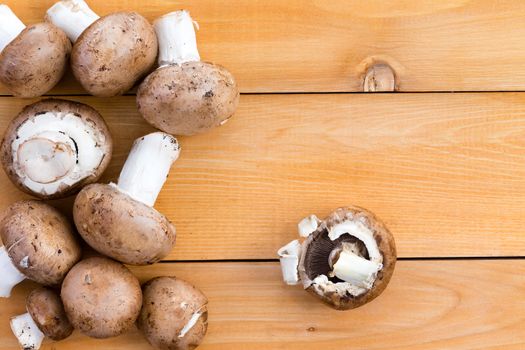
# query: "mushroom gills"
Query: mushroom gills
{"points": [[10, 26], [26, 331], [72, 16], [11, 276]]}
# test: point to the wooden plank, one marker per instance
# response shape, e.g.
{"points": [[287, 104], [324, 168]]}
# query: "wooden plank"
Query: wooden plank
{"points": [[446, 177], [428, 305], [315, 46]]}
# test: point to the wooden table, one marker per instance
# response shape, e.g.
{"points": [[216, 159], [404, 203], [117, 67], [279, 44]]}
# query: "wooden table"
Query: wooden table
{"points": [[445, 171]]}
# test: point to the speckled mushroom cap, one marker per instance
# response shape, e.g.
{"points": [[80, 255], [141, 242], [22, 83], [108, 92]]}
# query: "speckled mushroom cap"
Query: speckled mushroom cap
{"points": [[65, 138], [35, 61], [118, 226], [113, 53], [174, 314], [314, 264], [46, 309], [189, 98], [39, 241], [102, 298]]}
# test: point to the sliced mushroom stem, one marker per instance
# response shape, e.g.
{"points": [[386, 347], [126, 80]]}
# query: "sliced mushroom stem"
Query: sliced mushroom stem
{"points": [[10, 26], [27, 332], [289, 259], [352, 268], [10, 274], [72, 16], [147, 166], [176, 36]]}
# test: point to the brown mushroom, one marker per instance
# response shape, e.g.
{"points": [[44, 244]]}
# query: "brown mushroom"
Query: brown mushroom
{"points": [[32, 59], [45, 317], [110, 53], [54, 147], [185, 96], [39, 244], [174, 314], [102, 298], [346, 260], [118, 220]]}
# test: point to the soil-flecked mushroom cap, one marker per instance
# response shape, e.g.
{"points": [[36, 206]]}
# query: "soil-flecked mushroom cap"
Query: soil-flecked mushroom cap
{"points": [[174, 314], [185, 96], [102, 298], [118, 220], [54, 147], [39, 242], [346, 260], [45, 317]]}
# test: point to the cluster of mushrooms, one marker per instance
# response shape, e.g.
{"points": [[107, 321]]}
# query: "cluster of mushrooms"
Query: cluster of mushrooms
{"points": [[56, 148]]}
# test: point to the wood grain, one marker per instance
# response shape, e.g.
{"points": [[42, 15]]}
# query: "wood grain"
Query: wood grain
{"points": [[297, 45], [445, 172], [428, 305]]}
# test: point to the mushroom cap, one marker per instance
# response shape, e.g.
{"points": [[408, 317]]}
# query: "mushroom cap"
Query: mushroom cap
{"points": [[46, 309], [116, 225], [39, 241], [316, 251], [88, 116], [113, 53], [174, 314], [102, 298], [188, 99], [35, 61]]}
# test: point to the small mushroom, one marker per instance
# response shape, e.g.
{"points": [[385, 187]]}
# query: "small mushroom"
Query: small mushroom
{"points": [[32, 59], [185, 96], [39, 245], [110, 53], [102, 298], [118, 220], [346, 260], [45, 317], [174, 314], [54, 147]]}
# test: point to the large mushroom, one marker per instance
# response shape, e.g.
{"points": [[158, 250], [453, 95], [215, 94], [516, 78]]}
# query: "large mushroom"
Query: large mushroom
{"points": [[118, 220], [346, 260], [45, 317], [110, 53], [102, 298], [54, 147], [32, 59], [174, 314], [39, 245], [185, 96]]}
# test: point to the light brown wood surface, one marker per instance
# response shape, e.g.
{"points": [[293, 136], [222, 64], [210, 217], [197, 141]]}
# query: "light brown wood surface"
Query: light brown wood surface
{"points": [[316, 45], [428, 305]]}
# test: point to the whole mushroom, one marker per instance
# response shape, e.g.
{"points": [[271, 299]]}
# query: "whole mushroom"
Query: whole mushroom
{"points": [[102, 298], [45, 317], [174, 314], [54, 147], [118, 220], [110, 54], [39, 245], [346, 260], [185, 96], [32, 59]]}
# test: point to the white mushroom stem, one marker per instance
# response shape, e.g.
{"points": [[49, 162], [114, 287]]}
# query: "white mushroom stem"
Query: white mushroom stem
{"points": [[176, 36], [308, 225], [289, 258], [352, 268], [10, 276], [147, 166], [27, 332], [72, 16], [10, 26], [189, 325]]}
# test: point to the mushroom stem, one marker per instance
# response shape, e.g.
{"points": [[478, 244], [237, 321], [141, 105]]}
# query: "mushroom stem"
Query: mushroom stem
{"points": [[72, 16], [26, 331], [10, 274], [176, 36], [10, 26], [354, 269], [289, 259], [147, 166]]}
